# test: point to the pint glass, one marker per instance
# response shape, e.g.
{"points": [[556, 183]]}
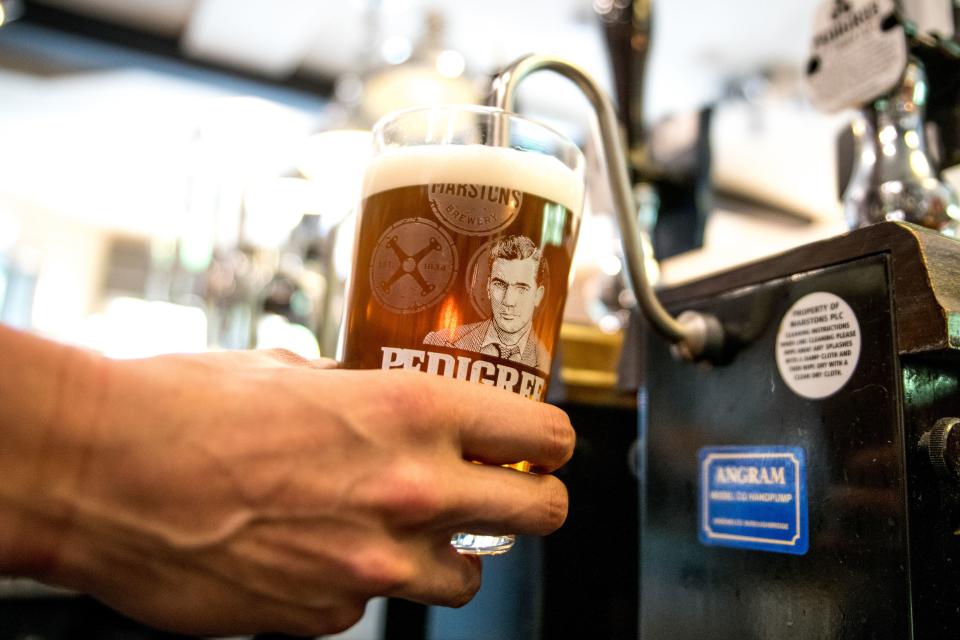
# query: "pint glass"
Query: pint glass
{"points": [[464, 241]]}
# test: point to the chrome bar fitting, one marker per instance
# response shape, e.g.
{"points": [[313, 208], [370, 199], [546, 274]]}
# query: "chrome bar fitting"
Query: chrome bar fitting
{"points": [[694, 334]]}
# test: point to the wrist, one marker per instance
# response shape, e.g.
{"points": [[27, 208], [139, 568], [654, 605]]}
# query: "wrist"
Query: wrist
{"points": [[49, 406]]}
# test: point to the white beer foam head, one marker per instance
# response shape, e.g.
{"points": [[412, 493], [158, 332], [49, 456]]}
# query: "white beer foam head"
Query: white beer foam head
{"points": [[527, 171]]}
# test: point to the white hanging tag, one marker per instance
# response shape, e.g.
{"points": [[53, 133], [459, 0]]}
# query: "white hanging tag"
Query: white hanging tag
{"points": [[859, 52]]}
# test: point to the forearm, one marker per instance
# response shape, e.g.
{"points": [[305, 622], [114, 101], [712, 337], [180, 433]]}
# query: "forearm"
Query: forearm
{"points": [[48, 405], [240, 492]]}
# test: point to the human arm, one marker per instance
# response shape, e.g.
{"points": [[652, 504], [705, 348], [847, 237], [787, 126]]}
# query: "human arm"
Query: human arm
{"points": [[239, 492]]}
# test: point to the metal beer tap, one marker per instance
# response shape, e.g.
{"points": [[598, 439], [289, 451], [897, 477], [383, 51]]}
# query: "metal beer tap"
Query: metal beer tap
{"points": [[627, 28], [941, 60], [696, 336], [894, 176]]}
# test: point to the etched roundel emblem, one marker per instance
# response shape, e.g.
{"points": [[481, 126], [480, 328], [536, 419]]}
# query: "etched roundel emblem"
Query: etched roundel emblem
{"points": [[413, 265], [474, 209]]}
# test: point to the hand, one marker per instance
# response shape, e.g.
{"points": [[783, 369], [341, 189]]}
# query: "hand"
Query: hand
{"points": [[240, 492]]}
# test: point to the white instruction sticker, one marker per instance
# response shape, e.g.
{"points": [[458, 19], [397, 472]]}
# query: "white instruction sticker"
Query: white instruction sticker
{"points": [[818, 345], [859, 52]]}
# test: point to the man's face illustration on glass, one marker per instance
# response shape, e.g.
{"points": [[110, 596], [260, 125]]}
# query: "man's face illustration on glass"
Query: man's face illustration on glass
{"points": [[514, 293]]}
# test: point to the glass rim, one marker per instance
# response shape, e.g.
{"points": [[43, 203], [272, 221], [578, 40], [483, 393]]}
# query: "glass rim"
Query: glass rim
{"points": [[468, 107]]}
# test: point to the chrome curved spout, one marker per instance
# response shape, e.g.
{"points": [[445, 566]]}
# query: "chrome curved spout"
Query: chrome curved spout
{"points": [[695, 335]]}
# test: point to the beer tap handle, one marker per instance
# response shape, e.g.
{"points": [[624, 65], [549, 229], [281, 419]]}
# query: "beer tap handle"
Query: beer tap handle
{"points": [[627, 30], [941, 60], [955, 10], [696, 336]]}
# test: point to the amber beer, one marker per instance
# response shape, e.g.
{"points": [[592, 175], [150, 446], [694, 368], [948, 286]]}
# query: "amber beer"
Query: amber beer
{"points": [[461, 264]]}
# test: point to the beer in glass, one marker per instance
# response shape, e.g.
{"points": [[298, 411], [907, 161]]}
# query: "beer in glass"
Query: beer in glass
{"points": [[464, 241]]}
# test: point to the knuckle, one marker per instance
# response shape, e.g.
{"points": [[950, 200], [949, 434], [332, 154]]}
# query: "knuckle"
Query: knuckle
{"points": [[470, 588], [379, 571], [559, 436], [404, 398], [412, 493], [556, 505], [347, 616], [329, 620], [285, 355]]}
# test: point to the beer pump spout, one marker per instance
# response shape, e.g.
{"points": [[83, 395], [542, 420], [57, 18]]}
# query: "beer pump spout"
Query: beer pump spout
{"points": [[696, 336], [894, 176]]}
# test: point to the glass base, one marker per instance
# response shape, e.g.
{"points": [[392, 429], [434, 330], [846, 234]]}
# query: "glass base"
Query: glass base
{"points": [[478, 545]]}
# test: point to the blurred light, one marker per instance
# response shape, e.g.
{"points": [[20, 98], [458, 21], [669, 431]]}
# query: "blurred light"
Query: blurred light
{"points": [[954, 212], [330, 156], [343, 248], [892, 187], [349, 88], [610, 264], [920, 92], [626, 299], [451, 63], [920, 164], [275, 332], [9, 231], [334, 161], [609, 323], [426, 85], [602, 6], [413, 84], [652, 266], [887, 134], [245, 34], [246, 136], [274, 206], [196, 248], [598, 236], [889, 150], [858, 126], [301, 304], [755, 88], [911, 139], [396, 7], [396, 49], [163, 252], [134, 328], [10, 10], [28, 258]]}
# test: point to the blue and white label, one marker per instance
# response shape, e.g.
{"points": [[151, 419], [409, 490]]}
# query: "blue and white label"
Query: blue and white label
{"points": [[754, 498]]}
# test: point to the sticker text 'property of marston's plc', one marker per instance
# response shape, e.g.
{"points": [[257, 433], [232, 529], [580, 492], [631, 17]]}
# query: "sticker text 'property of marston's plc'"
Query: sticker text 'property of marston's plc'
{"points": [[818, 345]]}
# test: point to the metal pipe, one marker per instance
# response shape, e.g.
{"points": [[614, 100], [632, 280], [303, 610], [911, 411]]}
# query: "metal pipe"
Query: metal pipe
{"points": [[693, 333]]}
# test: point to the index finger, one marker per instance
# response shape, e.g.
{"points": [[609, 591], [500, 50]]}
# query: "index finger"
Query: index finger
{"points": [[496, 426]]}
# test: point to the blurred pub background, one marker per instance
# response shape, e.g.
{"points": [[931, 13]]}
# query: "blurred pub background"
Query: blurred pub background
{"points": [[181, 175]]}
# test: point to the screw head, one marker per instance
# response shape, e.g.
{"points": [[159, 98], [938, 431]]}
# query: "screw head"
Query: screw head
{"points": [[942, 446]]}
